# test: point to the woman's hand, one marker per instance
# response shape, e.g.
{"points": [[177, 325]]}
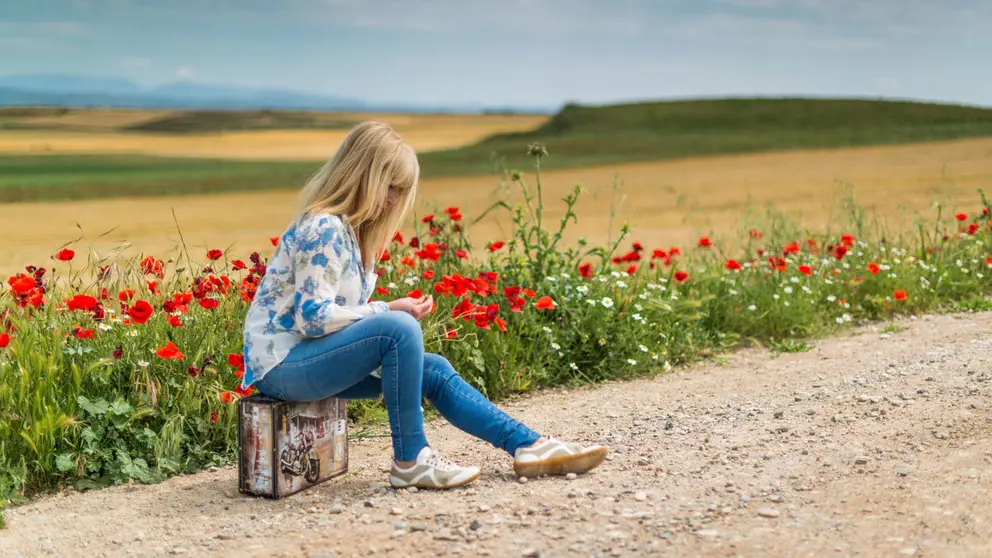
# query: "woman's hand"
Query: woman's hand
{"points": [[418, 308]]}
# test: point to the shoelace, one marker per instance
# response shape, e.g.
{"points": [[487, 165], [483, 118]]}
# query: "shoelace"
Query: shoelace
{"points": [[439, 462]]}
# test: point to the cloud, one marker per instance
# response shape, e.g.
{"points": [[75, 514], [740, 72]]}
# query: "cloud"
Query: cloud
{"points": [[547, 16], [185, 73], [136, 63]]}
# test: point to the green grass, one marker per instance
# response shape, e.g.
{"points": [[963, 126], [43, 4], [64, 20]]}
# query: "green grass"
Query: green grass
{"points": [[198, 121], [59, 177], [583, 136]]}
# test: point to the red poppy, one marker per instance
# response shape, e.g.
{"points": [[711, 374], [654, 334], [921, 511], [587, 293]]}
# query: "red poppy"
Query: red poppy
{"points": [[777, 263], [790, 248], [545, 303], [681, 276], [214, 417], [4, 340], [125, 294], [170, 351], [585, 270], [140, 312], [973, 228], [397, 237], [65, 255], [899, 294], [81, 333], [755, 234], [632, 270], [847, 240], [416, 293], [732, 265], [500, 322], [153, 286], [428, 218], [461, 253], [152, 266], [382, 290], [493, 246], [961, 217], [238, 265], [386, 256], [274, 240], [81, 302], [450, 333], [658, 254], [174, 321], [840, 252], [22, 284], [806, 270], [428, 274], [227, 397], [529, 293], [214, 254], [705, 242], [874, 268]]}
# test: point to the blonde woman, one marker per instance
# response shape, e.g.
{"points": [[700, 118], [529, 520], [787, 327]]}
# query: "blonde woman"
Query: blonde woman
{"points": [[310, 334]]}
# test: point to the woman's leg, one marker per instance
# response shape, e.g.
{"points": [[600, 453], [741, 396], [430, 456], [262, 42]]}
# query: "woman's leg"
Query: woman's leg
{"points": [[466, 408], [469, 410], [327, 366]]}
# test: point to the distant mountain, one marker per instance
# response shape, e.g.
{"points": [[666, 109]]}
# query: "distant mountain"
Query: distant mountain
{"points": [[100, 91], [69, 84]]}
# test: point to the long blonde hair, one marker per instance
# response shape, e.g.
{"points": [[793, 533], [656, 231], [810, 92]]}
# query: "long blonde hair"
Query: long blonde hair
{"points": [[354, 184]]}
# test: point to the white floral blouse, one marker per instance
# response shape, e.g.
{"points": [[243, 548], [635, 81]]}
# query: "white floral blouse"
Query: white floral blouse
{"points": [[314, 285]]}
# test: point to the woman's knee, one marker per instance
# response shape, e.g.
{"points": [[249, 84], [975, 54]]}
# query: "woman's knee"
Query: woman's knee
{"points": [[437, 372], [403, 326]]}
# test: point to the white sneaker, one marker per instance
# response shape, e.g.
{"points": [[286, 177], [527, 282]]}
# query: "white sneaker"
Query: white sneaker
{"points": [[549, 456], [432, 471]]}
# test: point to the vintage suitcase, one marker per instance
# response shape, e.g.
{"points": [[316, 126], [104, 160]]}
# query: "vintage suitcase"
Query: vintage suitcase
{"points": [[286, 447]]}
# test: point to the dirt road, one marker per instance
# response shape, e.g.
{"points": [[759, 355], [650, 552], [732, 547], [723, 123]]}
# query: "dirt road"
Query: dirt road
{"points": [[873, 444]]}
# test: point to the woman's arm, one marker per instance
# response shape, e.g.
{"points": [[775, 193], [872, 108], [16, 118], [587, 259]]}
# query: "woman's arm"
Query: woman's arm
{"points": [[319, 258]]}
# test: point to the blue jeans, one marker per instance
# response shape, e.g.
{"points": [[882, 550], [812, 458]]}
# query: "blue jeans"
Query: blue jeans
{"points": [[340, 365]]}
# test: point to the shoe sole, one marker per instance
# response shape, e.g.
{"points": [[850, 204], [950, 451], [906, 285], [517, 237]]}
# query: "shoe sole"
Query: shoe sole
{"points": [[563, 464], [422, 487]]}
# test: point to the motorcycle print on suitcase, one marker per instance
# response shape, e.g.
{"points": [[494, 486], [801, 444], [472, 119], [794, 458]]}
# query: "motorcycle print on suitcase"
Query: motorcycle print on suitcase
{"points": [[287, 447]]}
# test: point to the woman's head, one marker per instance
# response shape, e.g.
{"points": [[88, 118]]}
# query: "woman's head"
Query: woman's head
{"points": [[372, 180]]}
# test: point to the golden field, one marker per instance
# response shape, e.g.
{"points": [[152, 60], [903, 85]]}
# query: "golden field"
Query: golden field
{"points": [[97, 132], [667, 203]]}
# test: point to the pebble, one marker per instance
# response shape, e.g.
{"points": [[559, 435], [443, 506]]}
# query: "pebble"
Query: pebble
{"points": [[531, 553], [708, 533], [396, 511], [335, 509], [418, 527], [640, 496], [571, 476], [908, 551], [861, 461], [522, 480], [413, 490], [769, 512], [475, 525], [369, 504]]}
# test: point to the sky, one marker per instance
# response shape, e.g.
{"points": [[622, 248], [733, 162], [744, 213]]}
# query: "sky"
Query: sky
{"points": [[518, 52]]}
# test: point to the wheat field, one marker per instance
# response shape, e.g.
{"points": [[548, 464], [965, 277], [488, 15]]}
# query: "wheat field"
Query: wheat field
{"points": [[96, 132], [667, 203]]}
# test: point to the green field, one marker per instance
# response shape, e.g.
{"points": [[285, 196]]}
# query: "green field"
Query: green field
{"points": [[581, 136], [585, 136]]}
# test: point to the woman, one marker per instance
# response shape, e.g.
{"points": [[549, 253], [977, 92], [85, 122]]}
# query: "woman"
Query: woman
{"points": [[310, 333]]}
